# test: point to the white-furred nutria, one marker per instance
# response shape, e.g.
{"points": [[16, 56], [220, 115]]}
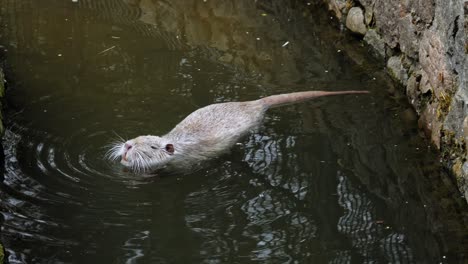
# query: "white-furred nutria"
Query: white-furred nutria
{"points": [[204, 134]]}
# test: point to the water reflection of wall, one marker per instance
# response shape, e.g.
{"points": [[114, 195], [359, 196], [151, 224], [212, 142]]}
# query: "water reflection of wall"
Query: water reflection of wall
{"points": [[283, 218], [230, 32], [396, 173], [358, 224], [368, 234], [246, 36], [234, 226], [84, 42]]}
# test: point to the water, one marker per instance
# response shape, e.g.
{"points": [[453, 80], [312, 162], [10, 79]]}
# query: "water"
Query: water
{"points": [[336, 180]]}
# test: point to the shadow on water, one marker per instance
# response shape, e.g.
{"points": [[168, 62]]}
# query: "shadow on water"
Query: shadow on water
{"points": [[336, 180]]}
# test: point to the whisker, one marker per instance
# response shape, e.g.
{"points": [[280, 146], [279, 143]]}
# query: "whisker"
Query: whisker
{"points": [[143, 163], [115, 151], [118, 136], [136, 162]]}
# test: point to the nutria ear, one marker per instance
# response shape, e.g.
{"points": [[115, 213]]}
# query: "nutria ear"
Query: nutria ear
{"points": [[170, 148]]}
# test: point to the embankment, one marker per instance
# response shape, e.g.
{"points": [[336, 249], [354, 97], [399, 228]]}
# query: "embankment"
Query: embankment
{"points": [[423, 45]]}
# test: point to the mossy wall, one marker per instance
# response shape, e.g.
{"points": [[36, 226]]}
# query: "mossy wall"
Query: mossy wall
{"points": [[423, 45]]}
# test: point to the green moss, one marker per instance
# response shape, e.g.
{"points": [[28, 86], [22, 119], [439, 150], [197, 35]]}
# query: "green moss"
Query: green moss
{"points": [[445, 100], [453, 147]]}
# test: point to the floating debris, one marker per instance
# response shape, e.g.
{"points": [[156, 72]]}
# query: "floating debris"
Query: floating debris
{"points": [[285, 44], [106, 50]]}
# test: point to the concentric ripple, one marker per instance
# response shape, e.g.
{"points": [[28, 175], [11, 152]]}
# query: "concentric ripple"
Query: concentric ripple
{"points": [[58, 180]]}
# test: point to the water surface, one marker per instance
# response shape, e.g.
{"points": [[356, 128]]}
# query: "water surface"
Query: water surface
{"points": [[337, 180]]}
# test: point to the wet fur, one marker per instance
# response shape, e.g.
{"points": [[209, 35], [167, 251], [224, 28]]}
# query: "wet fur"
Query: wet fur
{"points": [[205, 133]]}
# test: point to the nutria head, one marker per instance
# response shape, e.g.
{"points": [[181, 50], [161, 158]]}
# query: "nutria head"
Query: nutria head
{"points": [[143, 153]]}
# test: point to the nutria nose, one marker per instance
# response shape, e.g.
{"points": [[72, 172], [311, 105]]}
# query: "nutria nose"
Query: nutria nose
{"points": [[128, 146]]}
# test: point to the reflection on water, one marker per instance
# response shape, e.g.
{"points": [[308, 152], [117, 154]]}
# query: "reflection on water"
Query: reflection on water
{"points": [[337, 180], [367, 235]]}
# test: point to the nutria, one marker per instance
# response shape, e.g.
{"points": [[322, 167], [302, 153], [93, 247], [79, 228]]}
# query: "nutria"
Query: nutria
{"points": [[204, 134]]}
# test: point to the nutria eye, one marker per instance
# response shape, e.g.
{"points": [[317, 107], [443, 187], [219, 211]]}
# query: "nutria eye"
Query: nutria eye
{"points": [[153, 147]]}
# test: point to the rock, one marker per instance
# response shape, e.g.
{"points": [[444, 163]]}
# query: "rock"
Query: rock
{"points": [[428, 122], [457, 118], [408, 36], [368, 15], [367, 4], [465, 128], [355, 21], [386, 15], [337, 6], [368, 10], [2, 93], [422, 10], [412, 89], [433, 60], [397, 70], [373, 38]]}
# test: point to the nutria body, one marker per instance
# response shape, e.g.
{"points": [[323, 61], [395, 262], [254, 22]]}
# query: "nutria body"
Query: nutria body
{"points": [[205, 133]]}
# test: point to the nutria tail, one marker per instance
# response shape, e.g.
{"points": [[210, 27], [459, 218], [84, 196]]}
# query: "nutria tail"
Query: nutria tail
{"points": [[290, 98]]}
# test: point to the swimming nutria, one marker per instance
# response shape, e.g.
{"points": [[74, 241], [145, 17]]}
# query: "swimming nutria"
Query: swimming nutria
{"points": [[204, 133]]}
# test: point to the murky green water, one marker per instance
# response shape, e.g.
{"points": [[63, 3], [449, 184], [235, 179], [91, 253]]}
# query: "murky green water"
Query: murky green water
{"points": [[336, 180]]}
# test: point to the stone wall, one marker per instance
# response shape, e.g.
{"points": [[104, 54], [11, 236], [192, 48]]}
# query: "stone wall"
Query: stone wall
{"points": [[2, 93], [423, 44]]}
